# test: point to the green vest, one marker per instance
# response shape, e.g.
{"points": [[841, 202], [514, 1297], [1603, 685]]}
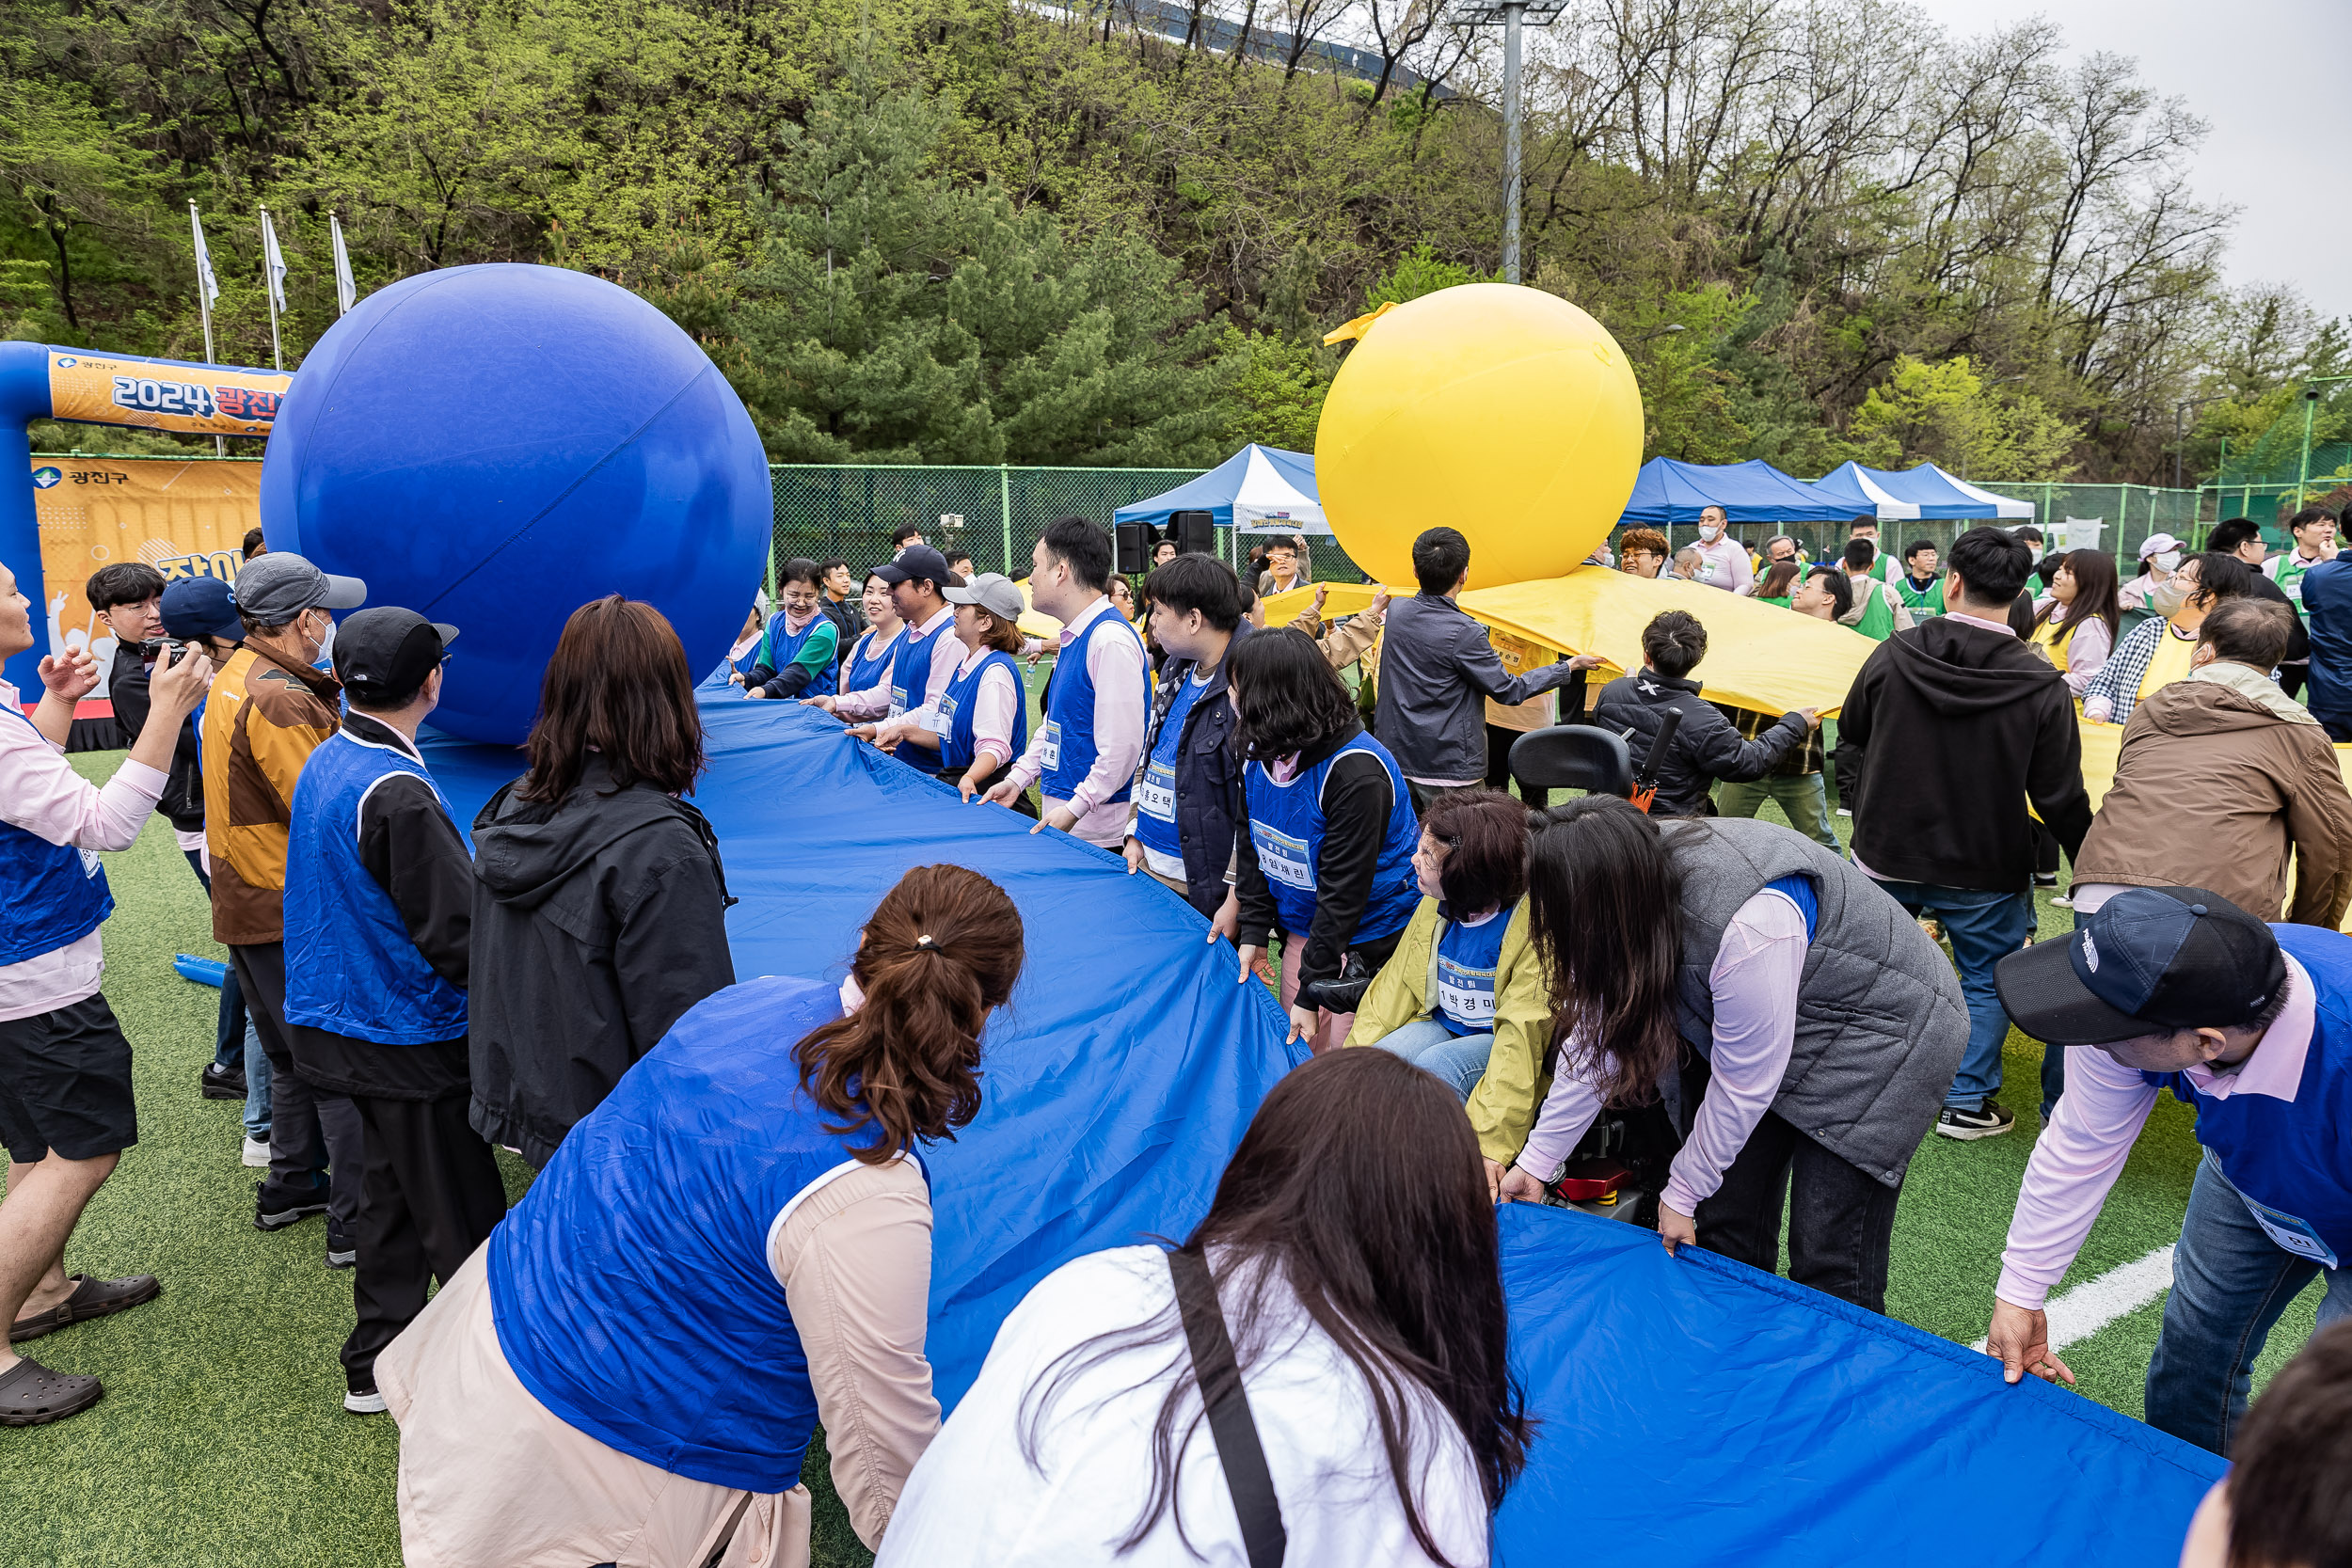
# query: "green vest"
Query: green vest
{"points": [[1878, 620], [1783, 603], [1921, 602]]}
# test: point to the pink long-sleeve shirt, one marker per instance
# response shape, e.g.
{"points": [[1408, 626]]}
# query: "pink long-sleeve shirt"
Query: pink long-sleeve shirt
{"points": [[1123, 703], [947, 653], [1754, 980], [2090, 1134], [995, 709], [40, 793]]}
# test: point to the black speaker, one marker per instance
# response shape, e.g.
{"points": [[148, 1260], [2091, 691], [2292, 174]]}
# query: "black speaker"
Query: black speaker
{"points": [[1195, 533], [1135, 547]]}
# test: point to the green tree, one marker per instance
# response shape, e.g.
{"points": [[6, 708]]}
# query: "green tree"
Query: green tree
{"points": [[1276, 389], [1946, 414]]}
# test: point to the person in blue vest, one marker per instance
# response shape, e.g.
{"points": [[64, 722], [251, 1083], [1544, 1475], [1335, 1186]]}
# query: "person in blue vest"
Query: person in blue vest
{"points": [[736, 668], [1083, 759], [2251, 1024], [733, 1248], [868, 660], [66, 1107], [1189, 796], [379, 894], [801, 648], [1327, 855], [928, 650], [982, 719]]}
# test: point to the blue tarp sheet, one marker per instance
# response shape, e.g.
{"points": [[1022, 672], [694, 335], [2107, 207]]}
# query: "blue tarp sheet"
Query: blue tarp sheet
{"points": [[1216, 491], [1667, 491], [1694, 1411], [1698, 1412], [1118, 1080]]}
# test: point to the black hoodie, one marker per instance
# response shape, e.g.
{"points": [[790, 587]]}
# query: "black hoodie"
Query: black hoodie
{"points": [[597, 922], [1959, 727]]}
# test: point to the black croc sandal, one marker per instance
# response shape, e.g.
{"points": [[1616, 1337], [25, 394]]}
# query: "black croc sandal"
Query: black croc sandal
{"points": [[32, 1396], [91, 1298]]}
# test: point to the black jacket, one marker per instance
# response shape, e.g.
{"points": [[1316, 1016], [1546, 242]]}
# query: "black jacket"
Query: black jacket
{"points": [[409, 846], [1436, 669], [1208, 777], [1957, 729], [182, 799], [1358, 799], [1707, 747], [597, 921]]}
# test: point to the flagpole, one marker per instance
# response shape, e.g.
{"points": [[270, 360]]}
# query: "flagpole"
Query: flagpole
{"points": [[204, 302], [277, 355]]}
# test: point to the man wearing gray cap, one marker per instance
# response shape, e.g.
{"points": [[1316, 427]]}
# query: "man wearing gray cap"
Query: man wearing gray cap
{"points": [[270, 708]]}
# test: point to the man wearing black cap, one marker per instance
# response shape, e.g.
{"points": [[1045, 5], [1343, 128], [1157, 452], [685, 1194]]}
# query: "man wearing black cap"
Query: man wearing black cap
{"points": [[379, 893], [928, 654], [2251, 1024]]}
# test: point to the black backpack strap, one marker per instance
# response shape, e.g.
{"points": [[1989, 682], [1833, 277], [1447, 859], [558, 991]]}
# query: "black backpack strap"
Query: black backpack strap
{"points": [[1228, 1403]]}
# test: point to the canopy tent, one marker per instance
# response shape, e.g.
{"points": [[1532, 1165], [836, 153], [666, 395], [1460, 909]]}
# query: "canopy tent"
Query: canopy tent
{"points": [[1667, 492], [1935, 493], [1855, 484], [1257, 490]]}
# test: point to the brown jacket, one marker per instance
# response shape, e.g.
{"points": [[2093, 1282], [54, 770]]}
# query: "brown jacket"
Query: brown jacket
{"points": [[262, 718], [2217, 788]]}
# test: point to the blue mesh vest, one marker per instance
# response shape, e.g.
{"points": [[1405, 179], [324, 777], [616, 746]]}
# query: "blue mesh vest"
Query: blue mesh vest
{"points": [[959, 745], [51, 895], [351, 968], [866, 671], [2291, 1158], [1069, 754], [911, 669], [1286, 829], [631, 1287], [778, 648]]}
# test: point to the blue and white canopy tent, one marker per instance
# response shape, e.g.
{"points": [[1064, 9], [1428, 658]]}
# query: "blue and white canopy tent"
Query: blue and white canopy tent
{"points": [[1936, 494], [1667, 492], [1257, 490], [1868, 498]]}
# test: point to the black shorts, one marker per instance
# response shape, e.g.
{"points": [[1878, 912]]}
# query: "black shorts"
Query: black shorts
{"points": [[65, 1084]]}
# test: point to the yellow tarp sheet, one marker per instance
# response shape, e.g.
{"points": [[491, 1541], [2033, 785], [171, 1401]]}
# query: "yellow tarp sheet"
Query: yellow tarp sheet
{"points": [[1759, 656]]}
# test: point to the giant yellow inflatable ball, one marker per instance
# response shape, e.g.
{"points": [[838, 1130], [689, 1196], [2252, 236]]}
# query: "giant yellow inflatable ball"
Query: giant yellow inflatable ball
{"points": [[1502, 411]]}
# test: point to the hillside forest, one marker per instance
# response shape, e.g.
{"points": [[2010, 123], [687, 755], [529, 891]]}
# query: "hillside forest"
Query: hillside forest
{"points": [[992, 232]]}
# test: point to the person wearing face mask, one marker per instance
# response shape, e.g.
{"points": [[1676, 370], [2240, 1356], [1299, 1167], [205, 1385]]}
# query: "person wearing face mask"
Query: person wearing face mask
{"points": [[2159, 554], [1723, 560], [270, 707], [2177, 988], [2154, 653]]}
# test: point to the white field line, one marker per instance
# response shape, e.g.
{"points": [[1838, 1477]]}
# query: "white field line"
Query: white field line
{"points": [[2078, 1314]]}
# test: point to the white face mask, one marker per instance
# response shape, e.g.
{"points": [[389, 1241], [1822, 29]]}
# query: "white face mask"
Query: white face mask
{"points": [[326, 648], [2169, 596], [2167, 560], [2035, 552], [1711, 531]]}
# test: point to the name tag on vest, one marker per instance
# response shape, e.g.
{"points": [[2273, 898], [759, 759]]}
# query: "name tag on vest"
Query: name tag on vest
{"points": [[942, 720], [1049, 747], [1465, 995], [1156, 794], [2295, 1235], [1282, 858]]}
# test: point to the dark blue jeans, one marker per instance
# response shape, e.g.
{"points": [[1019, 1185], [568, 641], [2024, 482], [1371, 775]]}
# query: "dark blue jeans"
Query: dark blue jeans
{"points": [[1985, 928]]}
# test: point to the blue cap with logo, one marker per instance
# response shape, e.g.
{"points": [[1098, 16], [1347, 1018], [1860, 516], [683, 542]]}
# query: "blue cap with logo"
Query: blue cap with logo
{"points": [[2150, 960], [201, 607]]}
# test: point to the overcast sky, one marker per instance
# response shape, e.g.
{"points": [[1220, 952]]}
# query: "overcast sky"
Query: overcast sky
{"points": [[2260, 72]]}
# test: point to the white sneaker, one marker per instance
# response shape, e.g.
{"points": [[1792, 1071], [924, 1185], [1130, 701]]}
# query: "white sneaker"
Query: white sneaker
{"points": [[369, 1403], [256, 1154], [2062, 900], [1843, 812]]}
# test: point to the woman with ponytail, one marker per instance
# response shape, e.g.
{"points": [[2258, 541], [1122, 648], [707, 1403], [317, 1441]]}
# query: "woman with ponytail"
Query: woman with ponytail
{"points": [[1341, 1307], [734, 1247]]}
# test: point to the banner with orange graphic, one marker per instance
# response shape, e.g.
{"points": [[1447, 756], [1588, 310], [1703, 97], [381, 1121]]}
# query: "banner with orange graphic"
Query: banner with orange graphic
{"points": [[164, 394]]}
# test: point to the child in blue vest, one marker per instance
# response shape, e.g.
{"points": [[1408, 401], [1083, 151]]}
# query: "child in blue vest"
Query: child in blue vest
{"points": [[2251, 1024], [1326, 854], [378, 908], [798, 654], [981, 722], [1083, 761], [734, 1245]]}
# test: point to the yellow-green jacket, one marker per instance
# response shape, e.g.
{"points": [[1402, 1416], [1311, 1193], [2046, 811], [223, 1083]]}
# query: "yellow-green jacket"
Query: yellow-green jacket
{"points": [[1503, 1107]]}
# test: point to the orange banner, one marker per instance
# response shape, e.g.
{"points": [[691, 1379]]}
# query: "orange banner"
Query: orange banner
{"points": [[183, 518], [164, 394]]}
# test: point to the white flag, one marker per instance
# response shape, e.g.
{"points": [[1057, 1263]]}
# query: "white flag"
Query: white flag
{"points": [[272, 264], [204, 278], [346, 291]]}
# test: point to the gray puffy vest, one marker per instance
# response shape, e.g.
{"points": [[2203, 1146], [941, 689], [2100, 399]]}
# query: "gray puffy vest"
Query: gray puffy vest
{"points": [[1881, 1024]]}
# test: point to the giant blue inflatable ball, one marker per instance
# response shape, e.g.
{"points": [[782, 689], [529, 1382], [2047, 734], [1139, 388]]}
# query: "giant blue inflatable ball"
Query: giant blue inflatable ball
{"points": [[496, 446]]}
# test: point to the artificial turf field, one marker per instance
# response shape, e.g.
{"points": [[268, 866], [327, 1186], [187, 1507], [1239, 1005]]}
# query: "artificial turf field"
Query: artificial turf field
{"points": [[222, 1439]]}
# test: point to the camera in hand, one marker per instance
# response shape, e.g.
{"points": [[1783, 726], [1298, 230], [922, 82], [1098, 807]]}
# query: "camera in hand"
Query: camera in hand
{"points": [[153, 649]]}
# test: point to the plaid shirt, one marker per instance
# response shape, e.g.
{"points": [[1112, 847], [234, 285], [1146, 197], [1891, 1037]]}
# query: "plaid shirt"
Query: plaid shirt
{"points": [[1750, 723], [2119, 682]]}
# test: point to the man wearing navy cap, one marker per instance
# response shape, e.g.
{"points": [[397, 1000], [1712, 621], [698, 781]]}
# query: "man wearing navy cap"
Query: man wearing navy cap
{"points": [[379, 910], [2251, 1024]]}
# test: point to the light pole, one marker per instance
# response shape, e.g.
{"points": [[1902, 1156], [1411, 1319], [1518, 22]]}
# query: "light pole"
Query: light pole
{"points": [[2311, 406], [1510, 14]]}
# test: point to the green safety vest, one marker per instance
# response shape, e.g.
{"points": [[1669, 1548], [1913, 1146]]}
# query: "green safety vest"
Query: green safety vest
{"points": [[2290, 576], [1921, 602], [1878, 620]]}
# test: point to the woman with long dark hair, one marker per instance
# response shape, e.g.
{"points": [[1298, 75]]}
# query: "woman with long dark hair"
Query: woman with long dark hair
{"points": [[2076, 626], [1800, 1027], [1349, 1262], [599, 903], [1327, 857], [734, 1247]]}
